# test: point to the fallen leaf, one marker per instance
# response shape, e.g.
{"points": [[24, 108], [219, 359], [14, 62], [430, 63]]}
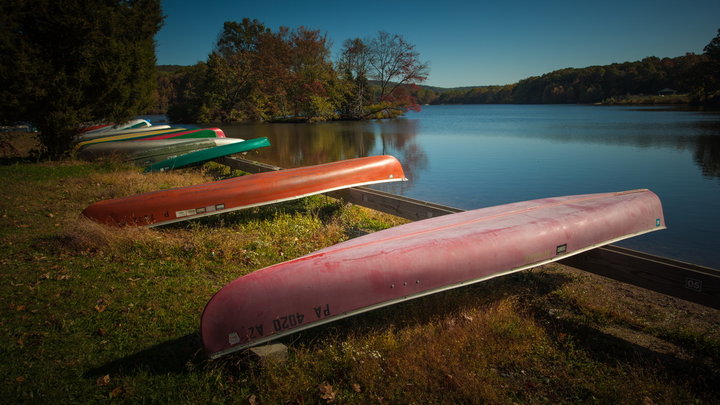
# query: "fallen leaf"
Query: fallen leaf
{"points": [[20, 379], [356, 388], [327, 391], [101, 305], [116, 392], [101, 332], [104, 380], [253, 400], [20, 308]]}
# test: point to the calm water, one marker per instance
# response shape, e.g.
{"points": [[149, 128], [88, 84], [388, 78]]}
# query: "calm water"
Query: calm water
{"points": [[478, 156]]}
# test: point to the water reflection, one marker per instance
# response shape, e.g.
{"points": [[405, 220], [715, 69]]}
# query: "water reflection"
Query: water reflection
{"points": [[295, 145], [707, 155], [695, 131]]}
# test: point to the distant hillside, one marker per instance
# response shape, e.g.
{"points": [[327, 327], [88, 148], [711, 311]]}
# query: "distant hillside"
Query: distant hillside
{"points": [[592, 84]]}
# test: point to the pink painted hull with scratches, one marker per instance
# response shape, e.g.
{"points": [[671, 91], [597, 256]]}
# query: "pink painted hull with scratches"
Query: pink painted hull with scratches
{"points": [[418, 259]]}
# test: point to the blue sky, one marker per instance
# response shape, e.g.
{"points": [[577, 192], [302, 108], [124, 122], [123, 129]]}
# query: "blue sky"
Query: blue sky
{"points": [[466, 43]]}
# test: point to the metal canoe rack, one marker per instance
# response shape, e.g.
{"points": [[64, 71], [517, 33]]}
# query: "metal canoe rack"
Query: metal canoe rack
{"points": [[682, 280]]}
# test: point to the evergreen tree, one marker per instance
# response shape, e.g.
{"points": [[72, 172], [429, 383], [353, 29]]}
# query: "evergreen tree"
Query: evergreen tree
{"points": [[71, 62]]}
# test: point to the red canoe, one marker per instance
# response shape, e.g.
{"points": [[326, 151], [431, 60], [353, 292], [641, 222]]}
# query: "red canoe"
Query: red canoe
{"points": [[184, 203], [418, 259]]}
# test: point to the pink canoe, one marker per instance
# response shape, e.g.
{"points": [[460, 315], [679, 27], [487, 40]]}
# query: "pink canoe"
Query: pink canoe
{"points": [[184, 203], [418, 259]]}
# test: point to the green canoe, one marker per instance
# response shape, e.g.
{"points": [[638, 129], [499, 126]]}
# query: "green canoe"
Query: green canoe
{"points": [[204, 155], [145, 153]]}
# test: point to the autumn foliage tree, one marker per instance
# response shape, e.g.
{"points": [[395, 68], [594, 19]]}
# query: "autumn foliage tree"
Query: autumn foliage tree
{"points": [[255, 74], [393, 64], [353, 67]]}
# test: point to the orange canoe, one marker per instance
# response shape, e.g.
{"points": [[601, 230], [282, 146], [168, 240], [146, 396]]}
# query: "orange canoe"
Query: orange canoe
{"points": [[184, 203]]}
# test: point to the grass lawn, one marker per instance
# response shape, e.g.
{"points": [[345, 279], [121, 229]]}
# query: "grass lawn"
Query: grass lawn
{"points": [[92, 314]]}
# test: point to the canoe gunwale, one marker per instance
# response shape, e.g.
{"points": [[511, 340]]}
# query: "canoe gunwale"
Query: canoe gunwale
{"points": [[223, 211]]}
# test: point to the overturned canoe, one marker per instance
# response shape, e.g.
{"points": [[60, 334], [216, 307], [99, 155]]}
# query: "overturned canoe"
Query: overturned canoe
{"points": [[177, 133], [136, 123], [94, 128], [193, 133], [203, 155], [104, 134], [184, 203], [146, 153], [418, 259]]}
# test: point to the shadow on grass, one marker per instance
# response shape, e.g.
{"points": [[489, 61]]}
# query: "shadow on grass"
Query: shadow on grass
{"points": [[433, 307], [177, 356], [180, 355], [693, 367]]}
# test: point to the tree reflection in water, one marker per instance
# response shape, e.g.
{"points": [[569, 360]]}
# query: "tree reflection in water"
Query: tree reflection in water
{"points": [[295, 145]]}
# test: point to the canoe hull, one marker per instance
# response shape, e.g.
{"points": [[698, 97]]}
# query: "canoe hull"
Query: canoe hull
{"points": [[136, 123], [176, 133], [185, 203], [418, 259], [199, 156], [103, 134], [149, 152], [194, 133]]}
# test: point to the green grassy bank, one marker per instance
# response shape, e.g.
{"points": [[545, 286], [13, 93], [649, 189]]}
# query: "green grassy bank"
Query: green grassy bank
{"points": [[91, 314]]}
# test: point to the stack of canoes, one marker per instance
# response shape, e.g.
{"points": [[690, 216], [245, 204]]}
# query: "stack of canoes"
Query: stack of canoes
{"points": [[372, 271], [159, 147]]}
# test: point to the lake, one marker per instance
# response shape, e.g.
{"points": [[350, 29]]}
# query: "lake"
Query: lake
{"points": [[473, 156]]}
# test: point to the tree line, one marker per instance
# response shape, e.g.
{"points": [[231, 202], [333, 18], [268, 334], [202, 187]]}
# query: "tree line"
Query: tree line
{"points": [[698, 76], [67, 63], [256, 74], [349, 90]]}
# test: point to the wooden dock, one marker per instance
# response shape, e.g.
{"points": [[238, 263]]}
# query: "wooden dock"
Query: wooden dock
{"points": [[668, 276]]}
